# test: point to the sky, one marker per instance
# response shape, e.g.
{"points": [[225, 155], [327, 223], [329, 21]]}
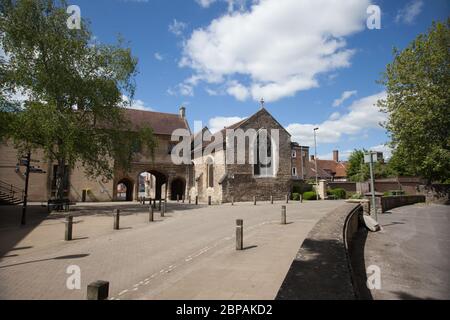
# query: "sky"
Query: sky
{"points": [[315, 63]]}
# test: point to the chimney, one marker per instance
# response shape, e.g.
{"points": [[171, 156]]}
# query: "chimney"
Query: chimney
{"points": [[312, 157], [182, 112], [336, 155]]}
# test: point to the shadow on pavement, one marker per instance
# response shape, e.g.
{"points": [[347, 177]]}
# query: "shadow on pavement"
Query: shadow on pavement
{"points": [[73, 256], [13, 232]]}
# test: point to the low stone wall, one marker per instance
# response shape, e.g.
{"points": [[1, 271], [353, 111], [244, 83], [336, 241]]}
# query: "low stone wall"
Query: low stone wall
{"points": [[322, 268], [391, 202]]}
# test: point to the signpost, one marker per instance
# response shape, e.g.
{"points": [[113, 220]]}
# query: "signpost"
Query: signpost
{"points": [[370, 159], [25, 161]]}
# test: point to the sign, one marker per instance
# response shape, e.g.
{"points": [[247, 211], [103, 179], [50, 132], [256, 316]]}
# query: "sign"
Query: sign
{"points": [[376, 157]]}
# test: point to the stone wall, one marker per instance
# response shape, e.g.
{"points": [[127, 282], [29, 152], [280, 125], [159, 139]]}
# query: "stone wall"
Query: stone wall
{"points": [[322, 268], [388, 203], [242, 184]]}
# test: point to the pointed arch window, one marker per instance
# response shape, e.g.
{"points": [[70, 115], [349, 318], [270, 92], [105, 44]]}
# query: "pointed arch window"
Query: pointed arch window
{"points": [[210, 172], [263, 166]]}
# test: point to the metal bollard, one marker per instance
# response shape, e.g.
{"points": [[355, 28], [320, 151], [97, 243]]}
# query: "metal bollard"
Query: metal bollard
{"points": [[150, 214], [178, 198], [254, 200], [271, 199], [232, 200], [283, 214], [239, 234], [68, 231], [189, 199], [98, 290], [117, 219], [196, 200], [301, 198], [182, 198], [287, 199], [209, 200], [163, 209]]}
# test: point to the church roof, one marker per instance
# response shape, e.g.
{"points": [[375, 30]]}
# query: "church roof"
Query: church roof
{"points": [[161, 123]]}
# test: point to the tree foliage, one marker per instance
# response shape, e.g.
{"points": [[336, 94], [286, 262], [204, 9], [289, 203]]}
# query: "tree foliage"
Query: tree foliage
{"points": [[358, 171], [418, 105], [73, 89]]}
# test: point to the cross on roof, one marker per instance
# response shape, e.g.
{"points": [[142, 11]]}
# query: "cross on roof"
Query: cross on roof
{"points": [[262, 102]]}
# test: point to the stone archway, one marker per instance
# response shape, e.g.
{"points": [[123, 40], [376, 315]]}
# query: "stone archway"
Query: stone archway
{"points": [[177, 188], [158, 182], [125, 190]]}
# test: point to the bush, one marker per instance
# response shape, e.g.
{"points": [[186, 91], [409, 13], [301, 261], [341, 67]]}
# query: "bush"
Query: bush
{"points": [[301, 188], [357, 196], [309, 195], [338, 193], [295, 196]]}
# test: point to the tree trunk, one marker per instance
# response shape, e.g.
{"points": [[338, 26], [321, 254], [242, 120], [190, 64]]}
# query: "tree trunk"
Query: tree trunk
{"points": [[60, 175]]}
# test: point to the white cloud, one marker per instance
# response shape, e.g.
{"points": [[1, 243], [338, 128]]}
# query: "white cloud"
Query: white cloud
{"points": [[218, 123], [363, 114], [136, 104], [343, 155], [409, 13], [205, 3], [158, 56], [238, 91], [177, 27], [279, 47], [232, 4], [345, 95]]}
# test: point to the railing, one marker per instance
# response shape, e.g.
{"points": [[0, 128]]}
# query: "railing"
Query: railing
{"points": [[11, 191]]}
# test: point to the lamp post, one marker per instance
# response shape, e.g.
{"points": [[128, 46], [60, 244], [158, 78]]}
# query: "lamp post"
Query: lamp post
{"points": [[315, 164]]}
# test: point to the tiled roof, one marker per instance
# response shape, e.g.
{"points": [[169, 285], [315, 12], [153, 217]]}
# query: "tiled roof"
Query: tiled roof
{"points": [[328, 169], [161, 123]]}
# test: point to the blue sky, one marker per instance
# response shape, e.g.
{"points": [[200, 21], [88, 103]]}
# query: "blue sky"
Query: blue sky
{"points": [[314, 62]]}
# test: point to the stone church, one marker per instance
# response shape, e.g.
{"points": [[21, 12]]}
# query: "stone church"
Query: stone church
{"points": [[159, 178]]}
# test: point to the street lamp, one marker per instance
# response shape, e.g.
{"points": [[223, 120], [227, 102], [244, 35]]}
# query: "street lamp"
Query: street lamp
{"points": [[315, 163]]}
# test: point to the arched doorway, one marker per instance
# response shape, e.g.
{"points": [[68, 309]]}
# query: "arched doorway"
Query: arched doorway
{"points": [[125, 190], [177, 188], [152, 184]]}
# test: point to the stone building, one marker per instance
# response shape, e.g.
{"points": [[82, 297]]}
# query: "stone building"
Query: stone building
{"points": [[300, 161], [223, 181], [168, 180], [204, 176]]}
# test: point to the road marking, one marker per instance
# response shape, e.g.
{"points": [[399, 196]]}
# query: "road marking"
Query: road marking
{"points": [[123, 292]]}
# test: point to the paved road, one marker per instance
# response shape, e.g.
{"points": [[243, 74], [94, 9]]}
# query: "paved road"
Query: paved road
{"points": [[413, 253], [190, 254]]}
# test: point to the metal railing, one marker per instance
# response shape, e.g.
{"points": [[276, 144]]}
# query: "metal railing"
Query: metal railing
{"points": [[11, 191]]}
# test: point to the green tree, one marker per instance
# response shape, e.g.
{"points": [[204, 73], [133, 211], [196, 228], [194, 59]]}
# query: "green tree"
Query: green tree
{"points": [[359, 171], [418, 105], [74, 89]]}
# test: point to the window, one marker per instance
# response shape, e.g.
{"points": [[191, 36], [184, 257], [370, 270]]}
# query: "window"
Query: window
{"points": [[264, 164], [294, 154], [210, 172], [294, 171]]}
